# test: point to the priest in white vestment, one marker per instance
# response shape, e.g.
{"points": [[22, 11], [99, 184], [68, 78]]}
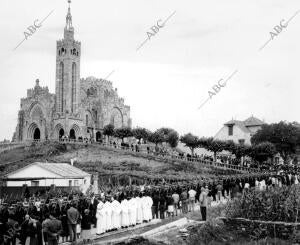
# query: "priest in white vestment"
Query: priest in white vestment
{"points": [[124, 213], [108, 211], [139, 210], [149, 203], [100, 215], [132, 211], [144, 208], [116, 214]]}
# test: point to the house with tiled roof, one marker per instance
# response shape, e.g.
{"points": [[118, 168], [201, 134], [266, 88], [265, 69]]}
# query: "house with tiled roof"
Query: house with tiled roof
{"points": [[47, 174], [239, 131]]}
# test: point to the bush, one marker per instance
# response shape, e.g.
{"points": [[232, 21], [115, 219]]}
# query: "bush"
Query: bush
{"points": [[274, 204], [214, 232]]}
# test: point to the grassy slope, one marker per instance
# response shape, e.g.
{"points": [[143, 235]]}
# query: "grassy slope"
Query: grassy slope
{"points": [[98, 158]]}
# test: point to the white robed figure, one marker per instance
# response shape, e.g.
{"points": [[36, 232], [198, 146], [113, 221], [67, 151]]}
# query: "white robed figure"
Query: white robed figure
{"points": [[100, 215], [116, 214], [139, 210], [144, 207], [124, 213], [108, 211], [149, 203], [132, 211]]}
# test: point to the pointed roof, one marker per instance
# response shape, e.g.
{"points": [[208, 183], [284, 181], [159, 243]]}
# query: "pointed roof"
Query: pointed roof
{"points": [[253, 121], [238, 123], [244, 125], [63, 170]]}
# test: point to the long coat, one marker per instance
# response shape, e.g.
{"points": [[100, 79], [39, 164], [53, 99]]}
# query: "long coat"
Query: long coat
{"points": [[101, 218]]}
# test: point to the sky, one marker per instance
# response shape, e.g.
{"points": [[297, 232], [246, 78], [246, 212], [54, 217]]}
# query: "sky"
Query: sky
{"points": [[167, 79]]}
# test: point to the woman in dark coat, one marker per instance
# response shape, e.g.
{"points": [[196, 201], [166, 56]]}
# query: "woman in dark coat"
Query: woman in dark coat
{"points": [[34, 232], [64, 222], [86, 226]]}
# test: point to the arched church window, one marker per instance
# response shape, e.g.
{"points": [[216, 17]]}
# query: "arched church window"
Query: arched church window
{"points": [[61, 86], [86, 120], [73, 96]]}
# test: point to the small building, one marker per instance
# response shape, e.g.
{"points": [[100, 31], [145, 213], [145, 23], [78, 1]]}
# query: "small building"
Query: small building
{"points": [[240, 132], [46, 174]]}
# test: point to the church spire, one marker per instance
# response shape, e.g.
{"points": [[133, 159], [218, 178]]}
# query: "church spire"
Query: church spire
{"points": [[69, 17], [69, 30]]}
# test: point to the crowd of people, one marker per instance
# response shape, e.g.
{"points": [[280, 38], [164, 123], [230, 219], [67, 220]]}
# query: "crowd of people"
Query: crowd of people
{"points": [[66, 218]]}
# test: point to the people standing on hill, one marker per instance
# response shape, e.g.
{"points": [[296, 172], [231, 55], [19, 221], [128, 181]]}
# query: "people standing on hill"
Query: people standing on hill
{"points": [[149, 203], [192, 195], [53, 228], [203, 203], [132, 211], [219, 191], [116, 213], [176, 199], [155, 198], [86, 223], [170, 205], [100, 215], [73, 217], [64, 223], [184, 201], [34, 232], [139, 211], [44, 223], [93, 209], [124, 213], [162, 206], [108, 214]]}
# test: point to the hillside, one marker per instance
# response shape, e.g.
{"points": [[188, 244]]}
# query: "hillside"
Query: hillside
{"points": [[107, 162]]}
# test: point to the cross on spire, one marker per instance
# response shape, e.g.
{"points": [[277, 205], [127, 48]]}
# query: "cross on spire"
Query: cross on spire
{"points": [[69, 17]]}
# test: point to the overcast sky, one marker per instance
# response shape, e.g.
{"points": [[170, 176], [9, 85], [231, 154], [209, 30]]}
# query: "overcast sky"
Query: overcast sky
{"points": [[170, 76]]}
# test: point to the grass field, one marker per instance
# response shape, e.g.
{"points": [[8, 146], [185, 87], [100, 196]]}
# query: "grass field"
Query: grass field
{"points": [[96, 158]]}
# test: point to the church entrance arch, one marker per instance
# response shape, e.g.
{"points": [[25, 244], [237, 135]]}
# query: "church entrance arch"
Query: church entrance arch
{"points": [[61, 133], [72, 134], [98, 136], [34, 132], [37, 134]]}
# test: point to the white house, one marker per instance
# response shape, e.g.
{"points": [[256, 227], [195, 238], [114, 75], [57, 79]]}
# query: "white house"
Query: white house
{"points": [[239, 131], [47, 174]]}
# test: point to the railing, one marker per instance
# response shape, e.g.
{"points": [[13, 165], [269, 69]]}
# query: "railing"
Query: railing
{"points": [[143, 152]]}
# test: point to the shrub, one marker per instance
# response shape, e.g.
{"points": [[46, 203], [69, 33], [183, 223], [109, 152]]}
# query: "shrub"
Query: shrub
{"points": [[274, 204]]}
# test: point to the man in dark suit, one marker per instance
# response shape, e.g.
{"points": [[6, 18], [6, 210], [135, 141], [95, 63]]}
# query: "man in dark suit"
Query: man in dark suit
{"points": [[53, 228], [73, 217], [93, 209]]}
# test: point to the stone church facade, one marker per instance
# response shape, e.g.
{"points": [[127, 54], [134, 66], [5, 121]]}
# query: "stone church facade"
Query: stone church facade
{"points": [[79, 107]]}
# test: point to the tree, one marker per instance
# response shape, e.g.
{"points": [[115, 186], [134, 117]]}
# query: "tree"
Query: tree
{"points": [[122, 133], [230, 146], [262, 151], [156, 137], [109, 130], [240, 150], [284, 136], [169, 136], [173, 139], [141, 133], [212, 145], [190, 141]]}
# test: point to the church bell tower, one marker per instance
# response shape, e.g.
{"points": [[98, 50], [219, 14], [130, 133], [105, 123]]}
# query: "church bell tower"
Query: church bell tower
{"points": [[67, 85]]}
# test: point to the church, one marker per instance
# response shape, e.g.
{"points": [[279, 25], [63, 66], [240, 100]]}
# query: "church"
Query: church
{"points": [[79, 108]]}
